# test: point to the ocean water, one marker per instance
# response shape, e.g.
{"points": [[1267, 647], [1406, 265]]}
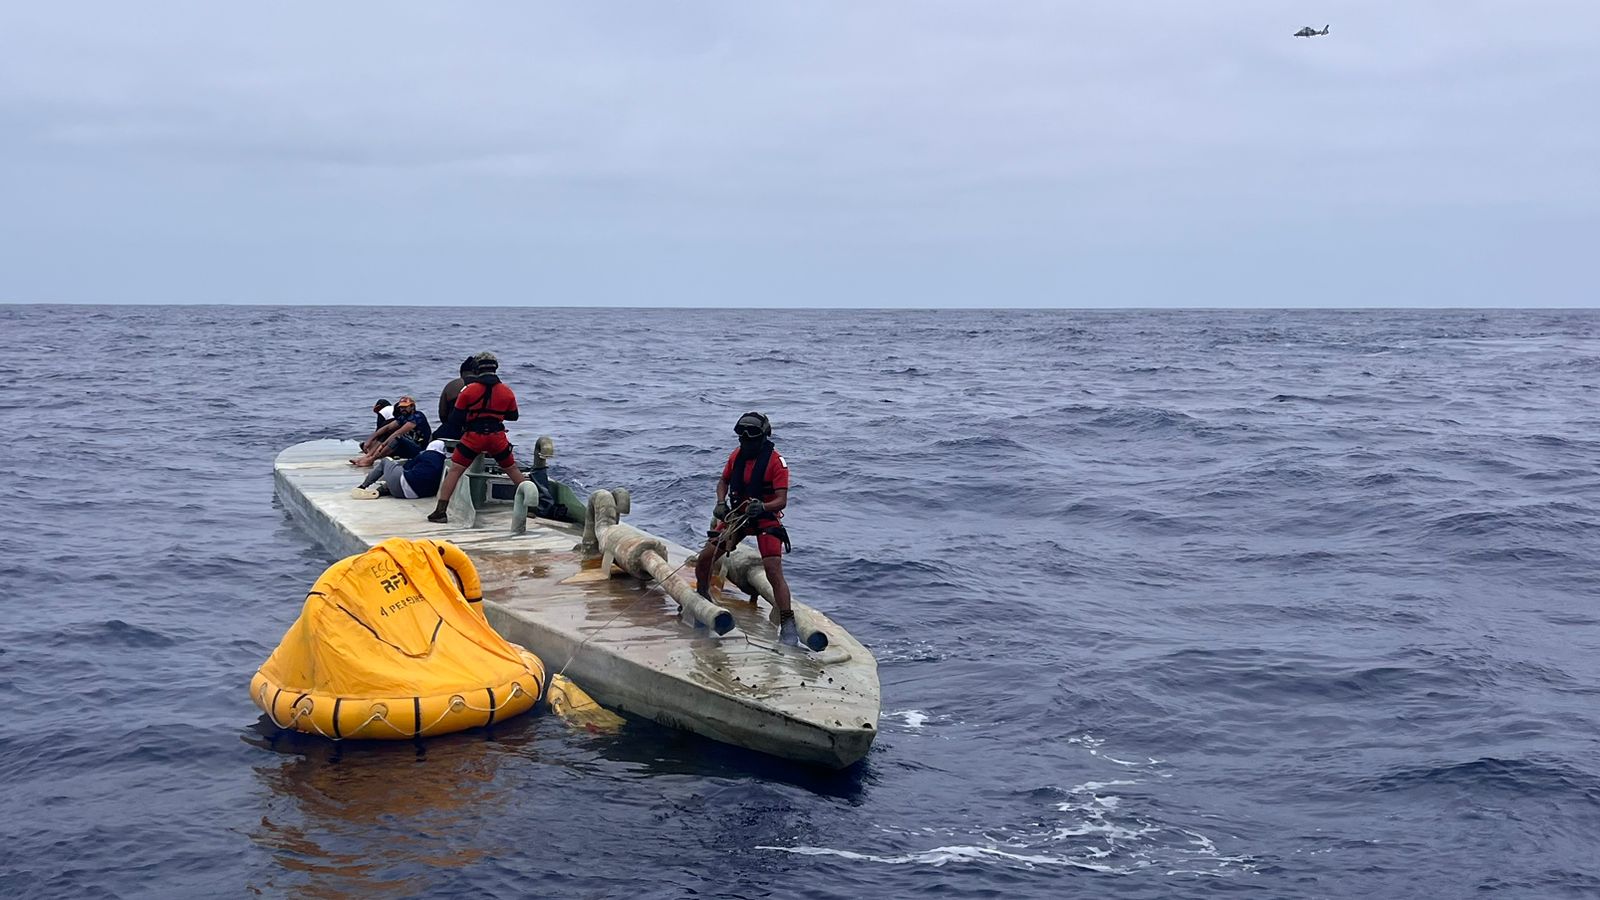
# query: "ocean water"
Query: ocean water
{"points": [[1166, 604]]}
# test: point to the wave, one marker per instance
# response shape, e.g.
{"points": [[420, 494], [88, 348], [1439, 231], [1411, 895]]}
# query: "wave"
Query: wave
{"points": [[1147, 520], [1538, 776], [107, 634], [1144, 419], [1559, 517], [1257, 675], [907, 574]]}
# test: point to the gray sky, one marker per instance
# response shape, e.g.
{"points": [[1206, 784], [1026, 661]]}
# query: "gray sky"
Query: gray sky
{"points": [[756, 153]]}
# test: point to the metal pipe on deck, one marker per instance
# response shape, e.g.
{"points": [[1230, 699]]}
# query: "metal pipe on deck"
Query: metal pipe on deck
{"points": [[644, 556], [743, 567], [602, 514], [707, 613], [527, 498]]}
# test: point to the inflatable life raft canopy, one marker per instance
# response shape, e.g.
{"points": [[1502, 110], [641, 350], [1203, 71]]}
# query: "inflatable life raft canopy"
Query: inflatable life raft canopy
{"points": [[388, 646]]}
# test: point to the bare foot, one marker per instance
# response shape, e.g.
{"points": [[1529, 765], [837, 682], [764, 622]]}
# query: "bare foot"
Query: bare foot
{"points": [[361, 462]]}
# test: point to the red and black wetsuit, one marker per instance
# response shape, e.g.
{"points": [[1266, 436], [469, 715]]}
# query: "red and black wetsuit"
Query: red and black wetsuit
{"points": [[482, 409], [745, 485]]}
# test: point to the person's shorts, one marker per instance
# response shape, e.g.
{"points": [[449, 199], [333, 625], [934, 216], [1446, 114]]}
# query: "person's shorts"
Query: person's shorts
{"points": [[496, 446], [768, 543], [405, 448]]}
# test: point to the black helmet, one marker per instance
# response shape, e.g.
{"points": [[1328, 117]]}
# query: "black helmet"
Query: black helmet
{"points": [[753, 425], [485, 364]]}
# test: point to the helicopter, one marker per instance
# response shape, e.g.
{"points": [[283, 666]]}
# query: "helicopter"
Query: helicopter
{"points": [[1308, 31]]}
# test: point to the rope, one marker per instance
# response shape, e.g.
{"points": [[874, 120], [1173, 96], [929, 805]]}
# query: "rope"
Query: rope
{"points": [[642, 594], [732, 527]]}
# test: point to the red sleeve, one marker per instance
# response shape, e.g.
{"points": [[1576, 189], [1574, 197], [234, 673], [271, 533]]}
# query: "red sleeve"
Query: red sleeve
{"points": [[778, 472], [511, 400], [727, 468], [466, 398]]}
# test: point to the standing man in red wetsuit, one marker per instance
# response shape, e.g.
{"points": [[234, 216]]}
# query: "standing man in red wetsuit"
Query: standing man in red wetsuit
{"points": [[751, 495], [481, 411]]}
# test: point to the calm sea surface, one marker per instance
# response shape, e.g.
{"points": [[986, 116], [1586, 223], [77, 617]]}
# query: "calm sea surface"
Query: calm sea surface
{"points": [[1166, 604]]}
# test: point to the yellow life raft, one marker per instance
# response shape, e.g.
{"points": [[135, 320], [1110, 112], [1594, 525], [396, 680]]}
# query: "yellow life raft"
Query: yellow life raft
{"points": [[389, 647]]}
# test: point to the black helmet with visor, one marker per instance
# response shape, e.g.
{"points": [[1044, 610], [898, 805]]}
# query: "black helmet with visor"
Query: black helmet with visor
{"points": [[753, 426]]}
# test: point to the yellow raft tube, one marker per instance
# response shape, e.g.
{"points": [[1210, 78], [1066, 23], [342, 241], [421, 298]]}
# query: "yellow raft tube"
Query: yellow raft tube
{"points": [[392, 644]]}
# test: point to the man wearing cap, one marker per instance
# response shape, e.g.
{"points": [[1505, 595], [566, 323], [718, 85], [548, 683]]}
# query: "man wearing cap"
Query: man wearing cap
{"points": [[404, 436], [481, 411], [751, 496]]}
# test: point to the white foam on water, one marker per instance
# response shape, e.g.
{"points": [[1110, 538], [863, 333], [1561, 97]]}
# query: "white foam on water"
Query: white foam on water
{"points": [[1093, 744], [938, 856], [1139, 840], [1092, 786], [913, 719], [1093, 828], [1089, 830], [908, 651], [1102, 828]]}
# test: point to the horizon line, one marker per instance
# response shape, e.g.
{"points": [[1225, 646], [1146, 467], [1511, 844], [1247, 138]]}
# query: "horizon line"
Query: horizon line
{"points": [[952, 308]]}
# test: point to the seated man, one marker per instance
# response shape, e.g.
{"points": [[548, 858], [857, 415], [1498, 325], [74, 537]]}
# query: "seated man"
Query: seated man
{"points": [[411, 478], [384, 410], [404, 437]]}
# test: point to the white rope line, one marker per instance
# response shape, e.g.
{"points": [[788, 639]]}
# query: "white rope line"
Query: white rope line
{"points": [[643, 594]]}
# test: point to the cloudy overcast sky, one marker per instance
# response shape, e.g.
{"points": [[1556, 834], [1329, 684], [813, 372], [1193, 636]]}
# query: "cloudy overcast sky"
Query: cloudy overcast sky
{"points": [[755, 153]]}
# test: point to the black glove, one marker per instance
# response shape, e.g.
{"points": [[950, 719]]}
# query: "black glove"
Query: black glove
{"points": [[754, 508], [720, 511]]}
